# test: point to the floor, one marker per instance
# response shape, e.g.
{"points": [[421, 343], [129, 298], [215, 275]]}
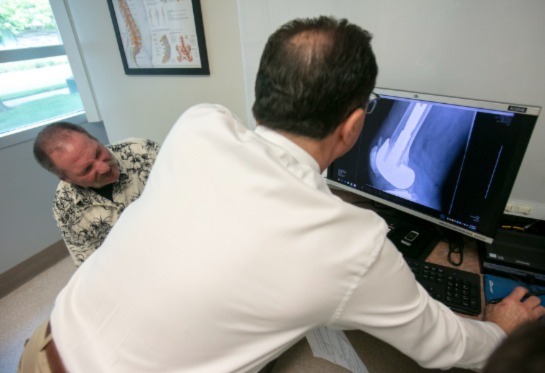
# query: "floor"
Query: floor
{"points": [[25, 308]]}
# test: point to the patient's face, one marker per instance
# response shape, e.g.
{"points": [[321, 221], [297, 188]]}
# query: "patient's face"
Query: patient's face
{"points": [[86, 162]]}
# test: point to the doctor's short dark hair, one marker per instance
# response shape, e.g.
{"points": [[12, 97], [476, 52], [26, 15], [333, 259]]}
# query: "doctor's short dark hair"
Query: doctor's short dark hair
{"points": [[313, 73]]}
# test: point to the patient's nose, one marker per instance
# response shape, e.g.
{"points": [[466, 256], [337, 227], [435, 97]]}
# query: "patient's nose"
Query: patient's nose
{"points": [[103, 167]]}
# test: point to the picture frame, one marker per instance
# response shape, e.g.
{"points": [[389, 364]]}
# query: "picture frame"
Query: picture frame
{"points": [[160, 37]]}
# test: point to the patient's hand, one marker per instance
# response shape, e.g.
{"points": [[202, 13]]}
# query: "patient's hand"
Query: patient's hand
{"points": [[513, 311]]}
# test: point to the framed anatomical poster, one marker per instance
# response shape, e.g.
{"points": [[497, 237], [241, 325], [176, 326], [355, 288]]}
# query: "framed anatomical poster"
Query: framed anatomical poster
{"points": [[160, 36]]}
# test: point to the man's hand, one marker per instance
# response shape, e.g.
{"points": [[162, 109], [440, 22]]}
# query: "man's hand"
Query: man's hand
{"points": [[513, 311]]}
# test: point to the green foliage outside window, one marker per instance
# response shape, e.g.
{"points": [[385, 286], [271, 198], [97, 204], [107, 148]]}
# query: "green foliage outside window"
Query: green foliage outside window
{"points": [[17, 16]]}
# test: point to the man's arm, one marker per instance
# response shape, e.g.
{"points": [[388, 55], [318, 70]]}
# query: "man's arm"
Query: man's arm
{"points": [[389, 304], [79, 251]]}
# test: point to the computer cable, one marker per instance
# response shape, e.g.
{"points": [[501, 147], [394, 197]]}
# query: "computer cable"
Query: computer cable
{"points": [[456, 247]]}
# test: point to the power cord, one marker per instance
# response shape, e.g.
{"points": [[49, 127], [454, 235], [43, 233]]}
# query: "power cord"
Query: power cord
{"points": [[456, 247]]}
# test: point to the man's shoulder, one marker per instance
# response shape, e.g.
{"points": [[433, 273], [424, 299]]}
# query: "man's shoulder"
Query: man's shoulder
{"points": [[64, 186], [205, 112], [209, 120], [132, 141], [134, 145]]}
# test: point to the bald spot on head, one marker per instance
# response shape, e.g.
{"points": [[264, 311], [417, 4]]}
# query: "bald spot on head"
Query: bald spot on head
{"points": [[311, 43]]}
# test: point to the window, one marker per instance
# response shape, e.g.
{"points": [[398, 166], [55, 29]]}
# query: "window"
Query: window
{"points": [[36, 81]]}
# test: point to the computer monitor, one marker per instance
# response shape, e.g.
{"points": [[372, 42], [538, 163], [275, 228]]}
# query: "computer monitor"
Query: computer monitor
{"points": [[450, 161]]}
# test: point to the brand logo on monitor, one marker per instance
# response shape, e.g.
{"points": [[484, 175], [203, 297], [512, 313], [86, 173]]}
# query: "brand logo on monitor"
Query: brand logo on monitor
{"points": [[517, 109]]}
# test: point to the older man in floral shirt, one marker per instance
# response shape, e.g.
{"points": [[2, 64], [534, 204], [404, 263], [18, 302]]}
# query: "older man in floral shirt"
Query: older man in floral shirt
{"points": [[97, 182]]}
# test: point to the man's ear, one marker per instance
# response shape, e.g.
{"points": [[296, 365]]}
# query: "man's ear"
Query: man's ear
{"points": [[347, 133], [351, 127]]}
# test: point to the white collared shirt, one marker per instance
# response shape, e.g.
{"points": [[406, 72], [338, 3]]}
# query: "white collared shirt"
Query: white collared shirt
{"points": [[234, 252]]}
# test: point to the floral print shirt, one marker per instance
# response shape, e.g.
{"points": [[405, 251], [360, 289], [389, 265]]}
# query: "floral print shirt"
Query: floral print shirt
{"points": [[84, 217]]}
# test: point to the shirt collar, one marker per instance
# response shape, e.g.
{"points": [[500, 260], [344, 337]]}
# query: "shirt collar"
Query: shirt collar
{"points": [[295, 150]]}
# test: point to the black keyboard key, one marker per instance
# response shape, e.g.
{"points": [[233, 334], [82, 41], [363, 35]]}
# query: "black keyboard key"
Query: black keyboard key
{"points": [[459, 290]]}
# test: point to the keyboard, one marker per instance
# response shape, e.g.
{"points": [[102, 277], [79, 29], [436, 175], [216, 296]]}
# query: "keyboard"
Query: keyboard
{"points": [[459, 290]]}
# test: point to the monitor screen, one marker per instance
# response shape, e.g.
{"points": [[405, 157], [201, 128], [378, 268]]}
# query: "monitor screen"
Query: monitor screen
{"points": [[451, 161]]}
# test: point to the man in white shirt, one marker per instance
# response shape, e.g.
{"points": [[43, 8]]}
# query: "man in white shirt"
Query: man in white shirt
{"points": [[248, 250]]}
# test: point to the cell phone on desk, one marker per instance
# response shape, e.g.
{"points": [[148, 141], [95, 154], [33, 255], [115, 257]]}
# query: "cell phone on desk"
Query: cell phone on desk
{"points": [[411, 236]]}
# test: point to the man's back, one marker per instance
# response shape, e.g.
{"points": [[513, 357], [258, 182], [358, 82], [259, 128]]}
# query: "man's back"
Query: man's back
{"points": [[236, 257]]}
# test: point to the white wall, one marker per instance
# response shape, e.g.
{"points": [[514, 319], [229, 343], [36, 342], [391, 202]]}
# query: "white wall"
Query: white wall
{"points": [[148, 106], [487, 50], [26, 223]]}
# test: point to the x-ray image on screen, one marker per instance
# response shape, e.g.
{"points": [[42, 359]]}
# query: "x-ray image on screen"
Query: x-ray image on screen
{"points": [[451, 161], [400, 148]]}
